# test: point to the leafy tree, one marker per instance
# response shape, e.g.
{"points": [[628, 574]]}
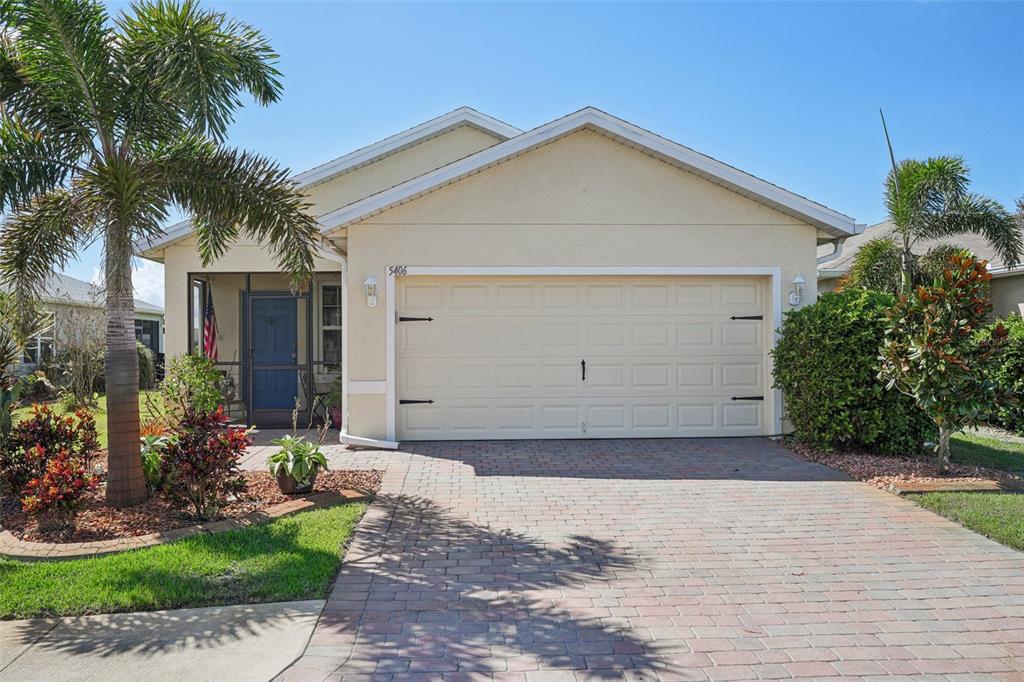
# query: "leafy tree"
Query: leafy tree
{"points": [[106, 125], [932, 351], [929, 200]]}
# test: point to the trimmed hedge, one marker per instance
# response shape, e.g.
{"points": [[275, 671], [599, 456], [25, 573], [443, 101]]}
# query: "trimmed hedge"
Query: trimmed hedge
{"points": [[1010, 374], [827, 363]]}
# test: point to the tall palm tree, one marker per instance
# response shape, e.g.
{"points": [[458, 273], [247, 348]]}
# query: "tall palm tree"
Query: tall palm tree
{"points": [[929, 200], [106, 125]]}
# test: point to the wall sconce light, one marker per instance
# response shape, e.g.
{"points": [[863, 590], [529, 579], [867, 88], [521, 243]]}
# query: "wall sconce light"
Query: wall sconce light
{"points": [[797, 294], [370, 286]]}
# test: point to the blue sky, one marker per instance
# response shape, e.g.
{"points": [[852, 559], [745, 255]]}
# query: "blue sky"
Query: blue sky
{"points": [[787, 91]]}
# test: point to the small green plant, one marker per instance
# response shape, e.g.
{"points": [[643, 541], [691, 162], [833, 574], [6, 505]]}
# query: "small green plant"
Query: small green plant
{"points": [[153, 448], [298, 458], [932, 353], [191, 383]]}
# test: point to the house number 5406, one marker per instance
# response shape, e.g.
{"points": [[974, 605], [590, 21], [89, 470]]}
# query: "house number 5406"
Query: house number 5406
{"points": [[396, 270]]}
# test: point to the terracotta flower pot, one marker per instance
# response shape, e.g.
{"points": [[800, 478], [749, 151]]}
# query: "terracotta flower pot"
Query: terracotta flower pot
{"points": [[336, 417], [289, 486]]}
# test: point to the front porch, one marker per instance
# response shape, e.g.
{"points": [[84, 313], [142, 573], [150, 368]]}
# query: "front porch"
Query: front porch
{"points": [[278, 351]]}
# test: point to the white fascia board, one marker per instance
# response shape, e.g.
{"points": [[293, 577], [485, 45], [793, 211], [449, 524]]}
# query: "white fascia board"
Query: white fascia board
{"points": [[415, 135], [361, 157], [1003, 271], [820, 216]]}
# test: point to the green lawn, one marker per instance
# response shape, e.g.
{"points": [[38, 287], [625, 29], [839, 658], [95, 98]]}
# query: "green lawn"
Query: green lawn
{"points": [[100, 412], [294, 557], [999, 516], [969, 448]]}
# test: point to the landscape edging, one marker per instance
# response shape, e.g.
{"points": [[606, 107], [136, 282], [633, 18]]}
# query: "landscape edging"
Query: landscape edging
{"points": [[24, 550]]}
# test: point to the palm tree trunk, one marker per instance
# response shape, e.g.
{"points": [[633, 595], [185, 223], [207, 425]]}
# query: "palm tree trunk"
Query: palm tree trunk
{"points": [[126, 484]]}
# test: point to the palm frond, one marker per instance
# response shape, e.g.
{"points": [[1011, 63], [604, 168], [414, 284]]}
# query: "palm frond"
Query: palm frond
{"points": [[31, 163], [41, 238], [980, 215], [198, 60], [63, 52], [939, 184], [228, 191], [876, 266]]}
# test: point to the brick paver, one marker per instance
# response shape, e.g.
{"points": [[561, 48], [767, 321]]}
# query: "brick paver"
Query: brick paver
{"points": [[656, 560]]}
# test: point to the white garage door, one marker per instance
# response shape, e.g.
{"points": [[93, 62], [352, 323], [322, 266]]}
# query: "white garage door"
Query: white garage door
{"points": [[572, 357]]}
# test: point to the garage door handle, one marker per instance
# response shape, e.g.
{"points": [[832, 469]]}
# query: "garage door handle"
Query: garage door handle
{"points": [[583, 367], [747, 397]]}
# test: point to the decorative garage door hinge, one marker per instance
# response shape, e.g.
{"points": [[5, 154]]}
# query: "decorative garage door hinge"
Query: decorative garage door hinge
{"points": [[747, 317], [415, 402], [415, 319], [747, 397]]}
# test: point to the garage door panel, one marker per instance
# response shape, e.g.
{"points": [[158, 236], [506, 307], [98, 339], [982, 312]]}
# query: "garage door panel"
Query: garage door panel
{"points": [[502, 357]]}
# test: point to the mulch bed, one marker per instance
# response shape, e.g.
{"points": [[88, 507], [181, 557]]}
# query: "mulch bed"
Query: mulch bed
{"points": [[887, 472], [95, 521]]}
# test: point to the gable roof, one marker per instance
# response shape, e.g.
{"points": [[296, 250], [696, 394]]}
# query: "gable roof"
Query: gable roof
{"points": [[463, 116], [840, 265], [68, 290], [829, 221]]}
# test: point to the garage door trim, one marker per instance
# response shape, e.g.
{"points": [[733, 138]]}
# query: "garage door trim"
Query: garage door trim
{"points": [[774, 274]]}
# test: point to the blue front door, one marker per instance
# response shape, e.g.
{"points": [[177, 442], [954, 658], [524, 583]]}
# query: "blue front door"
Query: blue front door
{"points": [[274, 343]]}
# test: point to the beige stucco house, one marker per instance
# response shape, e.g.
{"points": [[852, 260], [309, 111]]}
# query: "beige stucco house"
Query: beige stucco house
{"points": [[1007, 283], [584, 279]]}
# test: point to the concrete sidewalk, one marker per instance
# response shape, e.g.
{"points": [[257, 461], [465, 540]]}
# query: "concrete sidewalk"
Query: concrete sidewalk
{"points": [[250, 642]]}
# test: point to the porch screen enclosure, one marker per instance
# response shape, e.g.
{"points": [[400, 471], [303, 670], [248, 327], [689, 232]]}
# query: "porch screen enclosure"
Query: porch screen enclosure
{"points": [[277, 351]]}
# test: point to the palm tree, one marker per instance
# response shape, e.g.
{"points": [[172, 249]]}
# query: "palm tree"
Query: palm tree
{"points": [[929, 200], [105, 126]]}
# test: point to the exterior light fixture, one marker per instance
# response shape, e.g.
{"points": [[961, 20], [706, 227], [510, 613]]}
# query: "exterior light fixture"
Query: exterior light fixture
{"points": [[370, 286], [797, 294]]}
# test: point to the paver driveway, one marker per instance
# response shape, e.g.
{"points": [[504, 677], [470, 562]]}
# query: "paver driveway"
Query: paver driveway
{"points": [[657, 559]]}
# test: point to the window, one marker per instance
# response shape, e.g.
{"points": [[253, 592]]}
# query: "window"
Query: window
{"points": [[147, 332], [330, 326], [40, 349]]}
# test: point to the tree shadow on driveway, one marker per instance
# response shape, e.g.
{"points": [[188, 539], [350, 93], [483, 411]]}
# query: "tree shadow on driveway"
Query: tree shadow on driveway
{"points": [[424, 591]]}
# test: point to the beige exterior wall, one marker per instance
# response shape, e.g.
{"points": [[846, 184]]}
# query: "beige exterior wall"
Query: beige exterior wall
{"points": [[395, 169], [249, 256], [1008, 295], [584, 200]]}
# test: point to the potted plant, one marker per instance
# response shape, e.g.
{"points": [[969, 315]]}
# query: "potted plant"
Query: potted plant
{"points": [[296, 464], [334, 397]]}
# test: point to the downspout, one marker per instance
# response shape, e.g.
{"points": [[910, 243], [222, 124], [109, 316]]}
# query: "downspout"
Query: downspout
{"points": [[344, 437]]}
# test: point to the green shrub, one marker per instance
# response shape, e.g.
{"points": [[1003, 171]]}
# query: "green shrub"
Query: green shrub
{"points": [[191, 382], [1009, 375], [827, 364], [147, 366]]}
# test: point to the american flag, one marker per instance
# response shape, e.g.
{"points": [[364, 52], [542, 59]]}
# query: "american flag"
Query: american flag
{"points": [[209, 327]]}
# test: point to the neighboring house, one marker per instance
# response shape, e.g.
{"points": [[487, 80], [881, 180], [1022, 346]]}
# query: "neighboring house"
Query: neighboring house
{"points": [[76, 311], [587, 278], [1007, 283]]}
